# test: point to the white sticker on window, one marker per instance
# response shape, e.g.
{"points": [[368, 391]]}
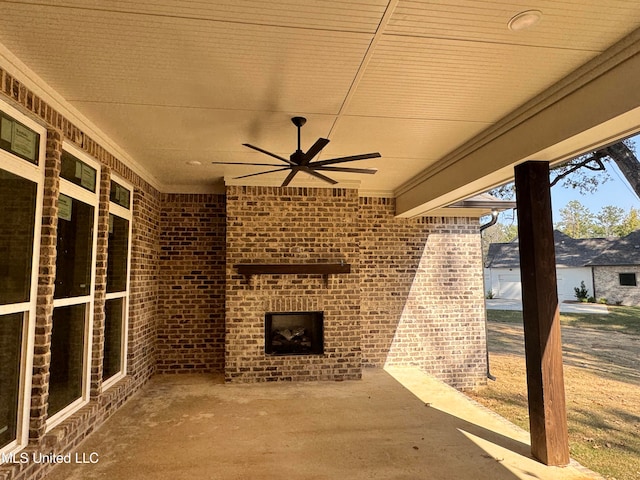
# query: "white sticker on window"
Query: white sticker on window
{"points": [[64, 207], [6, 130]]}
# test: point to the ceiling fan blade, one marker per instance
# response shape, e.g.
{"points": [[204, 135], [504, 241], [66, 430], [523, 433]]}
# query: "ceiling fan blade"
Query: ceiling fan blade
{"points": [[287, 180], [319, 175], [261, 173], [344, 169], [315, 150], [252, 164], [351, 158], [286, 160]]}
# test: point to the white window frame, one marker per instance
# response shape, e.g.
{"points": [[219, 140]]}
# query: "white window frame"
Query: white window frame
{"points": [[83, 195], [35, 173], [126, 214]]}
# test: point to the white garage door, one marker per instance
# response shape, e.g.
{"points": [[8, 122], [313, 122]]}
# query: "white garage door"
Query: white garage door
{"points": [[510, 287], [569, 279], [565, 291]]}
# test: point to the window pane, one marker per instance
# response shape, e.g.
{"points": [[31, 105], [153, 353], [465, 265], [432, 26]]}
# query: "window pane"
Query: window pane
{"points": [[628, 279], [112, 361], [78, 172], [10, 355], [117, 254], [67, 356], [120, 195], [17, 219], [73, 263]]}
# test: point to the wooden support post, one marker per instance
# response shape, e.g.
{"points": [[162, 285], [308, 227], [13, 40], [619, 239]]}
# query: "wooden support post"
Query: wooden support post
{"points": [[543, 345]]}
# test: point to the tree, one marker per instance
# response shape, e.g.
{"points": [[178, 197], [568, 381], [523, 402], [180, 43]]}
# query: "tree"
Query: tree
{"points": [[625, 159], [631, 223], [576, 220], [587, 172], [579, 172], [498, 233], [608, 221]]}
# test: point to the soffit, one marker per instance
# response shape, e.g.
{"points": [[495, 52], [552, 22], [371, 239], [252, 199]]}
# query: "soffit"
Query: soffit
{"points": [[454, 79], [173, 81], [574, 25]]}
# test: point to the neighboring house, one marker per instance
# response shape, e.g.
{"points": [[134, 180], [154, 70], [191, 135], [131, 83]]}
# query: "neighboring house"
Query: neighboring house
{"points": [[573, 266], [616, 271]]}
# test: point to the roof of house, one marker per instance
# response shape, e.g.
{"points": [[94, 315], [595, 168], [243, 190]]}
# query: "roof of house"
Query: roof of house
{"points": [[570, 252], [621, 251]]}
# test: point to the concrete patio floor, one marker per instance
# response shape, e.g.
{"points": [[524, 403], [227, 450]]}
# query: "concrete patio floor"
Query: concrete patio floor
{"points": [[394, 424]]}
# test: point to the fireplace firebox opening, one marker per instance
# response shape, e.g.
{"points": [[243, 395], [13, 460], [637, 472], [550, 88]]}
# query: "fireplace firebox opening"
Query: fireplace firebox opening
{"points": [[294, 333]]}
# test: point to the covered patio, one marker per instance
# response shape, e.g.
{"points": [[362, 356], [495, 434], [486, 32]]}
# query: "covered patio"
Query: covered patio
{"points": [[159, 217], [397, 423]]}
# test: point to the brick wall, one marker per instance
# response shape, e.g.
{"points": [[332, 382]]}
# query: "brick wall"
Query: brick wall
{"points": [[46, 280], [192, 283], [445, 308], [144, 289], [100, 282], [292, 225], [390, 253], [607, 285], [422, 293]]}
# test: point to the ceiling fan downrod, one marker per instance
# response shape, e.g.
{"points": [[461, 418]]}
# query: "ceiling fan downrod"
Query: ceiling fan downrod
{"points": [[299, 122]]}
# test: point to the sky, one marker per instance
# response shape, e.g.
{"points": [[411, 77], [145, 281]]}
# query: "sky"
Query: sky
{"points": [[616, 192]]}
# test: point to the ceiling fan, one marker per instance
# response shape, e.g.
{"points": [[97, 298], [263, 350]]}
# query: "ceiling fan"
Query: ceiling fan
{"points": [[300, 161]]}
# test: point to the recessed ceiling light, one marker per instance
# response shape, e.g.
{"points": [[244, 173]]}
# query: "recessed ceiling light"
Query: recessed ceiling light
{"points": [[524, 20], [194, 162]]}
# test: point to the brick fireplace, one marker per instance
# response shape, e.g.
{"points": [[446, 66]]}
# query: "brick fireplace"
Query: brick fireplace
{"points": [[267, 225]]}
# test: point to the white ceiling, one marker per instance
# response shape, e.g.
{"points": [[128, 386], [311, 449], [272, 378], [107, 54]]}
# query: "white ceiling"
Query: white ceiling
{"points": [[177, 81]]}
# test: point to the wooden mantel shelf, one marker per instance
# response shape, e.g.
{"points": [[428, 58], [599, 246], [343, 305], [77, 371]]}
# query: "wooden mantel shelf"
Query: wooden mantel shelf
{"points": [[292, 268]]}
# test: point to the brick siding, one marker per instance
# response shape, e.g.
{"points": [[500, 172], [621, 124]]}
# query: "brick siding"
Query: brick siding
{"points": [[46, 284], [442, 324], [390, 253], [143, 291], [607, 285], [422, 301], [100, 282], [192, 283]]}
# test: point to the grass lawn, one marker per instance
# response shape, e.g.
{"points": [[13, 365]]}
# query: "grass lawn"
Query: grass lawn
{"points": [[619, 319], [603, 415], [603, 407]]}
